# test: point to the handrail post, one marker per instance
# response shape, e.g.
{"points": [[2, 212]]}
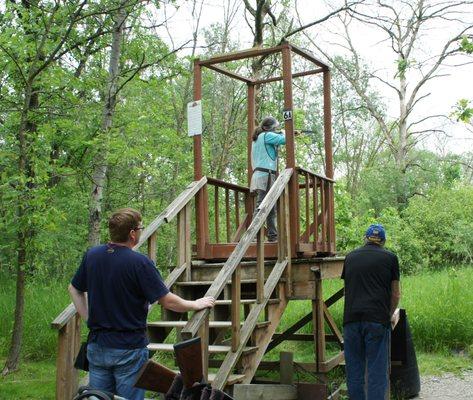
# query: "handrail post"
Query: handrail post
{"points": [[332, 219], [204, 337], [287, 232], [188, 240], [315, 211], [184, 239], [227, 214], [67, 377], [152, 247], [216, 216], [236, 300], [260, 265]]}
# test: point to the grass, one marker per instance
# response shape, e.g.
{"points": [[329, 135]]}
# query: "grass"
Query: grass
{"points": [[438, 306], [34, 380]]}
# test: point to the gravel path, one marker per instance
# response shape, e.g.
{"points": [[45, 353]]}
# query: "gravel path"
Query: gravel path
{"points": [[447, 387]]}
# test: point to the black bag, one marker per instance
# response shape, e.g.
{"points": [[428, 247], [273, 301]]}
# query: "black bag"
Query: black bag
{"points": [[82, 361]]}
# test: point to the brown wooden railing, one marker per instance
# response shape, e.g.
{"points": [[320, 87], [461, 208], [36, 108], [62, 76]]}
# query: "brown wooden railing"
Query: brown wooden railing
{"points": [[316, 213], [68, 322], [232, 210], [198, 324]]}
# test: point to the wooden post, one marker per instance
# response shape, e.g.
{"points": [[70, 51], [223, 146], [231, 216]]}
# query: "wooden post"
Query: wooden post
{"points": [[251, 128], [67, 378], [287, 232], [260, 265], [237, 209], [227, 214], [323, 218], [286, 368], [204, 337], [236, 297], [328, 125], [290, 148], [281, 229], [318, 321], [307, 207], [188, 239], [201, 205], [315, 211], [329, 159], [181, 237], [152, 247], [216, 211]]}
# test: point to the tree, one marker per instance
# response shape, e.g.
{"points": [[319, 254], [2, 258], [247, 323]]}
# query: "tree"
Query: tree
{"points": [[403, 24], [37, 38], [110, 101]]}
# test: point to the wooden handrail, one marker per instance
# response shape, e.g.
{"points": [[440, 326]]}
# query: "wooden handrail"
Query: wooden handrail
{"points": [[227, 185], [62, 319], [306, 171], [225, 274]]}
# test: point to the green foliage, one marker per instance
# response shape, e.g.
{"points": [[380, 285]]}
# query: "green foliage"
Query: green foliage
{"points": [[466, 45], [443, 222], [463, 111]]}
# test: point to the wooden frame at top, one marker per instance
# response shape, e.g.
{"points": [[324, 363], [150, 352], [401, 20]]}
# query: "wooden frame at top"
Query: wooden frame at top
{"points": [[258, 52], [286, 50]]}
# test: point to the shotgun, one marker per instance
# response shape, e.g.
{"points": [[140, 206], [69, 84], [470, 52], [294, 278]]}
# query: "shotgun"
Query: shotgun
{"points": [[189, 359], [155, 377]]}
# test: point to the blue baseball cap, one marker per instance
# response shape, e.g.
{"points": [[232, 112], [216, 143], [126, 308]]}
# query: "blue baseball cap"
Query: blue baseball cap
{"points": [[376, 233]]}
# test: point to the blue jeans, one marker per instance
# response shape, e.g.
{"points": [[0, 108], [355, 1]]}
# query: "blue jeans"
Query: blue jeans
{"points": [[115, 370], [366, 346]]}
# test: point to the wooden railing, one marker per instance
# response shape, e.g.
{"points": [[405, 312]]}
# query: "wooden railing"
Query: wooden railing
{"points": [[316, 213], [232, 210], [198, 324], [68, 322]]}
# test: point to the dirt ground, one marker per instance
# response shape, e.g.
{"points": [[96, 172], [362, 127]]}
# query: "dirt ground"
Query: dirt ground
{"points": [[447, 387]]}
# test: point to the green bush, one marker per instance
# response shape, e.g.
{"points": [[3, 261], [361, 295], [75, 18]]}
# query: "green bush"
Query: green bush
{"points": [[443, 225], [401, 239]]}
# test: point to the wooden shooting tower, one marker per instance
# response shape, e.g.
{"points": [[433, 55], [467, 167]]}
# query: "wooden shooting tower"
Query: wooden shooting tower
{"points": [[228, 258], [316, 237]]}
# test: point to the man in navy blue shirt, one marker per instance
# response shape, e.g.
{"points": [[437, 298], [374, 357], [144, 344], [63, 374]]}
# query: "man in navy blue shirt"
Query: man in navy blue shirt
{"points": [[112, 291], [372, 293]]}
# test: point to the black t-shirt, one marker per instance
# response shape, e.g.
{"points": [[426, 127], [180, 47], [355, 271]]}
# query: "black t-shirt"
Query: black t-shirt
{"points": [[368, 272], [120, 284]]}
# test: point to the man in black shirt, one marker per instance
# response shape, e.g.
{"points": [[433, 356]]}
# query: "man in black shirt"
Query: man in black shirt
{"points": [[112, 291], [372, 293]]}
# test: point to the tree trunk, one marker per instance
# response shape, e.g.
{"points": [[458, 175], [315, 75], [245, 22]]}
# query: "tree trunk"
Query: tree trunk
{"points": [[25, 230], [100, 158], [402, 152]]}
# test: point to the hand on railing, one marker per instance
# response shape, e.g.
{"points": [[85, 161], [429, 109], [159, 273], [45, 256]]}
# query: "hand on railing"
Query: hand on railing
{"points": [[204, 302]]}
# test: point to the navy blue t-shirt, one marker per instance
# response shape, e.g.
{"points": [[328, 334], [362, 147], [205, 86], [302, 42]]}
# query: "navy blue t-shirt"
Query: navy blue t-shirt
{"points": [[120, 284]]}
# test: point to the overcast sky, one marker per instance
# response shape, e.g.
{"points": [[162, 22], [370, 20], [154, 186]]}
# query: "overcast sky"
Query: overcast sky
{"points": [[444, 91]]}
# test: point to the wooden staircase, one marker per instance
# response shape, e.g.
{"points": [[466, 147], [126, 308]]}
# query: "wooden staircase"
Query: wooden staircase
{"points": [[251, 298], [236, 362]]}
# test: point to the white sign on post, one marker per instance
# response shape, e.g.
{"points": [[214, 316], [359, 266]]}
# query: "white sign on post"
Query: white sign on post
{"points": [[194, 118]]}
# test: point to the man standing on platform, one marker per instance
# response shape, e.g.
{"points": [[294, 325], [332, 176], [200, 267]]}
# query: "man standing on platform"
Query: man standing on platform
{"points": [[112, 291], [372, 293]]}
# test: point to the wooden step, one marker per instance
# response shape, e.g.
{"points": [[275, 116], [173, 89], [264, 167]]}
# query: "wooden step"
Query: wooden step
{"points": [[243, 301], [212, 324], [243, 264], [213, 349], [209, 283]]}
